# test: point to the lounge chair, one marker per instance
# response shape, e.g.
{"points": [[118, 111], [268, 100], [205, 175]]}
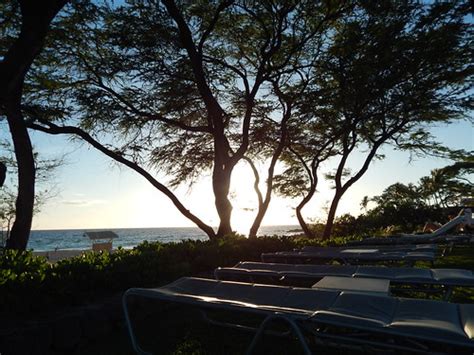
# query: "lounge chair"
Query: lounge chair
{"points": [[325, 318], [433, 248], [347, 256], [450, 240], [439, 236], [307, 275], [464, 217]]}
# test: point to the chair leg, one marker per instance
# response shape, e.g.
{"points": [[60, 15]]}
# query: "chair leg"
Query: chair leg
{"points": [[294, 327], [133, 339], [448, 293]]}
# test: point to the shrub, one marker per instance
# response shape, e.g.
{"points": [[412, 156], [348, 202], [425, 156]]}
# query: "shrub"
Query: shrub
{"points": [[30, 284]]}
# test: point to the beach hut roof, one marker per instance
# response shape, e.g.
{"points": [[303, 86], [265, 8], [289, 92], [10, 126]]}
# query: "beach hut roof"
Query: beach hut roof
{"points": [[101, 235]]}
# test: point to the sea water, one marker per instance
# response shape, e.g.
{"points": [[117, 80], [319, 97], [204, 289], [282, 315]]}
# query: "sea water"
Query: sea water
{"points": [[47, 240]]}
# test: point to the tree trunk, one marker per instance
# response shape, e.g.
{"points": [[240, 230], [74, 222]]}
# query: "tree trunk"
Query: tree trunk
{"points": [[3, 173], [263, 207], [258, 220], [253, 233], [341, 189], [20, 231], [332, 214], [301, 221], [221, 186], [36, 17]]}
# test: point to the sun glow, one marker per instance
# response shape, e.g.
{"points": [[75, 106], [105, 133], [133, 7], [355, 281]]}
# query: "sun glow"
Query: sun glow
{"points": [[245, 202]]}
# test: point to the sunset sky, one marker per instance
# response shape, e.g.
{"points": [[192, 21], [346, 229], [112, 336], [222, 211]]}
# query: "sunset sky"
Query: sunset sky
{"points": [[92, 192]]}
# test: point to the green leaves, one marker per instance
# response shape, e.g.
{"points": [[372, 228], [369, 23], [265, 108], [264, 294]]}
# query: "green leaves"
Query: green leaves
{"points": [[21, 267], [29, 283]]}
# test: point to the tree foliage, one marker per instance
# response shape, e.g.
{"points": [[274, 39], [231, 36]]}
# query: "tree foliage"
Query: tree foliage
{"points": [[25, 25], [181, 87], [390, 71], [191, 87], [45, 169], [434, 197]]}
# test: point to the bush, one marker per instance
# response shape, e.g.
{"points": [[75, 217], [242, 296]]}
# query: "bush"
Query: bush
{"points": [[31, 284]]}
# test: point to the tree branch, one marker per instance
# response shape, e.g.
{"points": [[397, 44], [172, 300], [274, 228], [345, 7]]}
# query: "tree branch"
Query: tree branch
{"points": [[222, 6], [51, 128]]}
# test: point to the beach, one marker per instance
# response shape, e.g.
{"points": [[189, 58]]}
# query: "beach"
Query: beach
{"points": [[56, 255], [74, 241]]}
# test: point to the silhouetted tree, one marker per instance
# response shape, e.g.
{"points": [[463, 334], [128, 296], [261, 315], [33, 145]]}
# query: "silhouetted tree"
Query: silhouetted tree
{"points": [[45, 189], [3, 173], [434, 197], [390, 70], [446, 187], [28, 38], [184, 86]]}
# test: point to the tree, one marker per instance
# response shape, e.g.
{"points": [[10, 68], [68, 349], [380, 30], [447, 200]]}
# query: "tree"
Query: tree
{"points": [[434, 197], [3, 173], [44, 180], [183, 85], [28, 41], [309, 145], [448, 186], [391, 70]]}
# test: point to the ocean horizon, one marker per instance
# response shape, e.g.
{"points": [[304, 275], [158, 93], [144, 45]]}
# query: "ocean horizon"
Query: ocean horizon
{"points": [[70, 239]]}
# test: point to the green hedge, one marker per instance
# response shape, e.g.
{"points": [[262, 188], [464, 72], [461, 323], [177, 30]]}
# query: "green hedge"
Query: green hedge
{"points": [[31, 284]]}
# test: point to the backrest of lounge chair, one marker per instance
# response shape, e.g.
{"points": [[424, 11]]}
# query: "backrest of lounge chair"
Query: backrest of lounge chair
{"points": [[265, 297], [436, 321], [404, 274], [411, 239], [268, 272], [377, 309], [467, 319], [335, 270], [352, 255], [381, 248], [453, 276]]}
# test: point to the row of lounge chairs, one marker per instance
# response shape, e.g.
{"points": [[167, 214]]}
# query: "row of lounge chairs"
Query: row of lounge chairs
{"points": [[349, 256], [308, 275], [332, 305]]}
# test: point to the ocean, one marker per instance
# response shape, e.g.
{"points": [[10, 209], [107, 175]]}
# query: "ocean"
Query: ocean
{"points": [[48, 240]]}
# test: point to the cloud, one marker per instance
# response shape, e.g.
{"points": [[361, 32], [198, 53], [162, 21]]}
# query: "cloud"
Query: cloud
{"points": [[83, 203], [248, 209]]}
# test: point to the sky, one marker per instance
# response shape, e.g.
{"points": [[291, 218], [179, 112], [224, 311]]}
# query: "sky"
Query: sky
{"points": [[93, 192]]}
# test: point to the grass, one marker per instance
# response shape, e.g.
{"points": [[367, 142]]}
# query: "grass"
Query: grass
{"points": [[178, 330]]}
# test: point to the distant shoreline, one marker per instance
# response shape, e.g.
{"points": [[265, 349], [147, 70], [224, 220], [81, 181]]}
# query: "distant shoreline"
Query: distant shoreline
{"points": [[294, 226], [106, 228], [75, 239]]}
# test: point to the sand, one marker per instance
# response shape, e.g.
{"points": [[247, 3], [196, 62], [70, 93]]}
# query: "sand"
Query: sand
{"points": [[60, 254]]}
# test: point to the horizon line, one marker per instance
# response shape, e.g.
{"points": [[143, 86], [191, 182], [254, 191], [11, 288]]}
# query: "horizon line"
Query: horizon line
{"points": [[172, 227]]}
